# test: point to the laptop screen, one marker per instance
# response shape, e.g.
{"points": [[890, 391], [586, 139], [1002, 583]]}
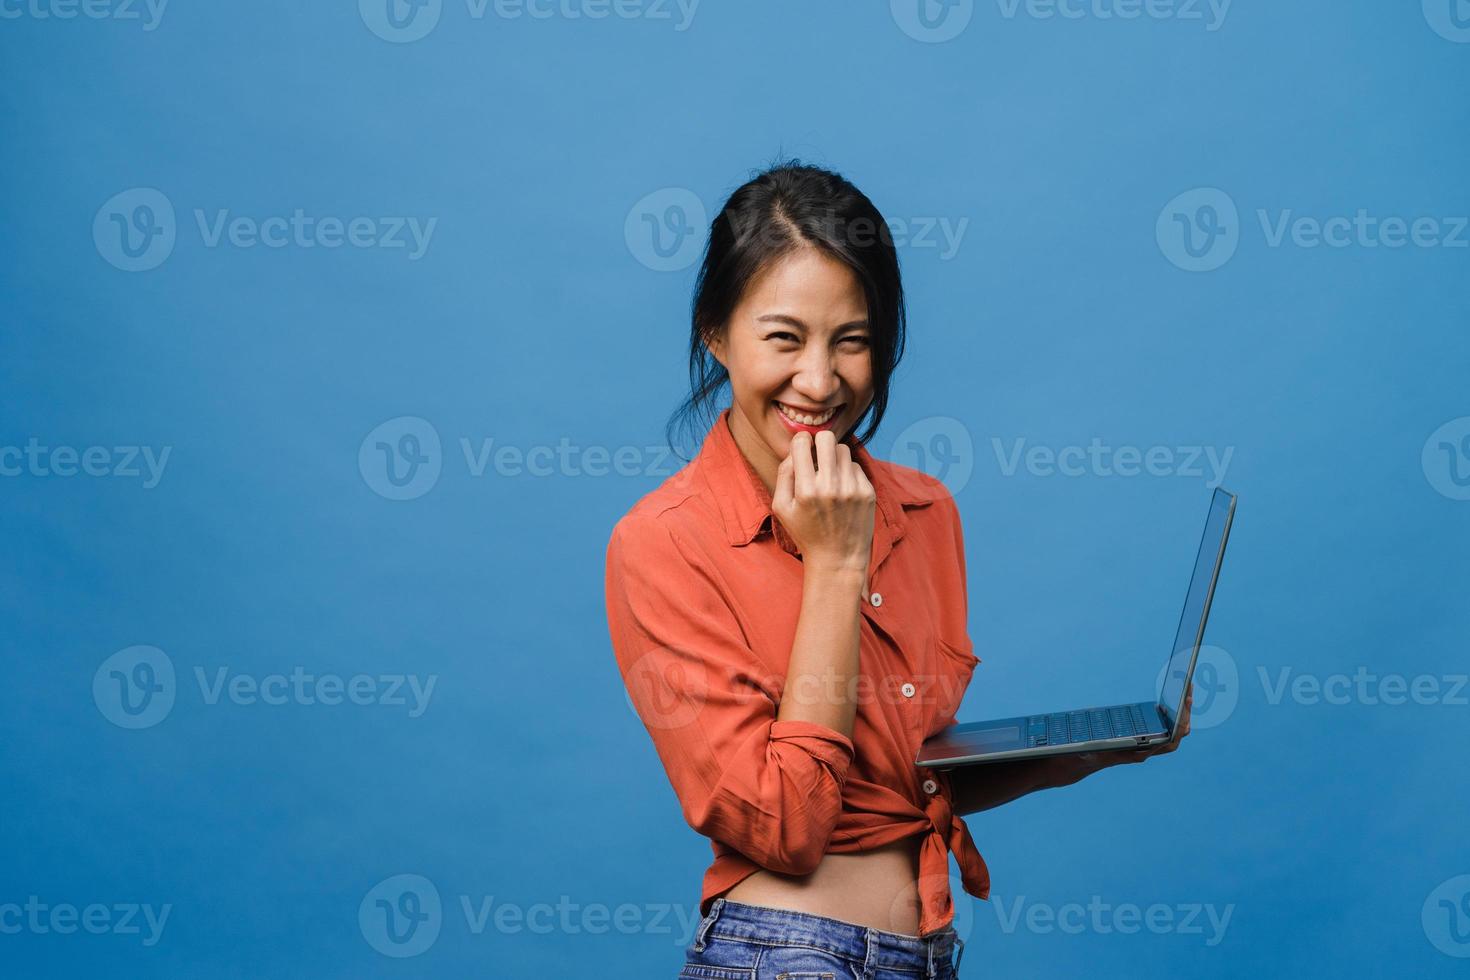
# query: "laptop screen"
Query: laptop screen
{"points": [[1196, 605]]}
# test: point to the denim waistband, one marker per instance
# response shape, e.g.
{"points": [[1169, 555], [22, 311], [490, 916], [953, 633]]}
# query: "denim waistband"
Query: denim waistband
{"points": [[872, 947]]}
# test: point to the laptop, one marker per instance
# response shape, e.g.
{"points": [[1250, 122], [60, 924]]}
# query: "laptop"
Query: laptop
{"points": [[1114, 726]]}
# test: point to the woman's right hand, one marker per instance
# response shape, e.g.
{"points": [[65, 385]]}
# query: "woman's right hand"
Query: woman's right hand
{"points": [[827, 506]]}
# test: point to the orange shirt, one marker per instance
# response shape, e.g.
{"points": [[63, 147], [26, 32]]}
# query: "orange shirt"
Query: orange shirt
{"points": [[703, 595]]}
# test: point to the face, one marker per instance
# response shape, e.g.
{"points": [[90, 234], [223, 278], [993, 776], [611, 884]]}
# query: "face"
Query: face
{"points": [[796, 345]]}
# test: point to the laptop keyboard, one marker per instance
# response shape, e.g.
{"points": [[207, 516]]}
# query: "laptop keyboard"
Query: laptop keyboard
{"points": [[1065, 727]]}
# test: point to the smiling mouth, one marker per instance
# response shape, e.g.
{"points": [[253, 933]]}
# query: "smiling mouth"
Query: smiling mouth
{"points": [[805, 418]]}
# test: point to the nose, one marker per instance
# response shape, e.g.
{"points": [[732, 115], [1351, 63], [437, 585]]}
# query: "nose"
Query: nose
{"points": [[816, 379]]}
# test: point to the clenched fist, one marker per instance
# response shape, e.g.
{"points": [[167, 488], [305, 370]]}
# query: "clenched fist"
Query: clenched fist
{"points": [[825, 503]]}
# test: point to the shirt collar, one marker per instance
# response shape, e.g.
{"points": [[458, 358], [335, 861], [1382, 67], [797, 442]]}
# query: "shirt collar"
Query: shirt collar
{"points": [[745, 503]]}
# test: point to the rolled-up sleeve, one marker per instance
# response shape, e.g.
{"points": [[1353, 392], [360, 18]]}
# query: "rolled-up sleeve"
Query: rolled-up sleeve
{"points": [[770, 789]]}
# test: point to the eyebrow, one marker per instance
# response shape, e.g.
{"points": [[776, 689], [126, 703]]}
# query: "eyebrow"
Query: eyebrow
{"points": [[796, 322]]}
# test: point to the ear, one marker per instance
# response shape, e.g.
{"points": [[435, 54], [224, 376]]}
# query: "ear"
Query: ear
{"points": [[716, 347]]}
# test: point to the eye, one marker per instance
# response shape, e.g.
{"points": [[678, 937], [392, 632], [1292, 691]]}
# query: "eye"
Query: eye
{"points": [[779, 334], [857, 339]]}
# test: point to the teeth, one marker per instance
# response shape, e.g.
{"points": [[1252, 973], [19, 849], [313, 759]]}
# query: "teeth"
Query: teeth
{"points": [[805, 419]]}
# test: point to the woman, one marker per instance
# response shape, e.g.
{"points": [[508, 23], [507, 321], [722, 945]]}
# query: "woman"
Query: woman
{"points": [[789, 613]]}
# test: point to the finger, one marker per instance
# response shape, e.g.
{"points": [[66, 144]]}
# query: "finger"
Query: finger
{"points": [[826, 445], [785, 490], [846, 482], [801, 456]]}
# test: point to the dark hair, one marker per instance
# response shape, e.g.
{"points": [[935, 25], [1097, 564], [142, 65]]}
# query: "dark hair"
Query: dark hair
{"points": [[789, 206]]}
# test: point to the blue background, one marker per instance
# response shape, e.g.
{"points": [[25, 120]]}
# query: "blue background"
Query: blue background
{"points": [[533, 318]]}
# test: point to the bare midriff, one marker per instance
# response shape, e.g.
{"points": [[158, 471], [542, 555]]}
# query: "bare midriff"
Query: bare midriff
{"points": [[877, 888]]}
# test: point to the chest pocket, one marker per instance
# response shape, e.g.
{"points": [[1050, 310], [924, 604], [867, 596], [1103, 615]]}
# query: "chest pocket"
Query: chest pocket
{"points": [[953, 663]]}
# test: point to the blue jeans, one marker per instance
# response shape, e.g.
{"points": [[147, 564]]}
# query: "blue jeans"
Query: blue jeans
{"points": [[736, 941]]}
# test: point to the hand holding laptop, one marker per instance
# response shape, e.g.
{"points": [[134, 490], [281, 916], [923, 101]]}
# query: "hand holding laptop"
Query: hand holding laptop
{"points": [[982, 788], [1064, 770]]}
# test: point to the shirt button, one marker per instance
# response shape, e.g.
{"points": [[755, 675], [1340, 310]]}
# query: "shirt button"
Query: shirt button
{"points": [[930, 786], [876, 599], [908, 690]]}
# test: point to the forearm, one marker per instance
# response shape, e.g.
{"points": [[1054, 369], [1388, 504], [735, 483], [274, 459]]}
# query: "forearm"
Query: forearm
{"points": [[988, 786], [824, 658]]}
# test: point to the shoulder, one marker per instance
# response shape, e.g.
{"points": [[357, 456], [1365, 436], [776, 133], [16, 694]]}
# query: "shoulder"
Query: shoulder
{"points": [[676, 510], [916, 490]]}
